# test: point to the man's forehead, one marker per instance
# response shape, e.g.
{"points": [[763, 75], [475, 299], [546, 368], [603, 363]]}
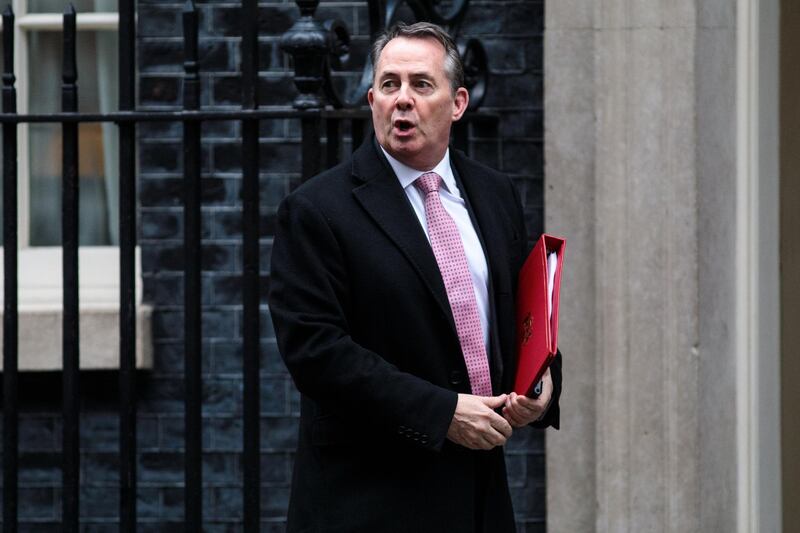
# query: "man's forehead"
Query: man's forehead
{"points": [[427, 52], [416, 73]]}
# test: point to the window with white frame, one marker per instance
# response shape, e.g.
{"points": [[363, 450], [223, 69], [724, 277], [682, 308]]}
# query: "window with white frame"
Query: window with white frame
{"points": [[37, 64]]}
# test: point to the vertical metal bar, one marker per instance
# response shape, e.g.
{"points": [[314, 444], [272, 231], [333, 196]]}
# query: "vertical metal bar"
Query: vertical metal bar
{"points": [[250, 271], [192, 287], [356, 133], [311, 146], [10, 316], [69, 228], [333, 132], [127, 247]]}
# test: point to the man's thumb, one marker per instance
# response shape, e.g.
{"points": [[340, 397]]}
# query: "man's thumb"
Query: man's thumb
{"points": [[494, 401]]}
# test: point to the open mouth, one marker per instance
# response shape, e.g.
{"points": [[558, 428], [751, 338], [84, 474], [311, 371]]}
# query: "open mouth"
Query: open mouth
{"points": [[403, 125]]}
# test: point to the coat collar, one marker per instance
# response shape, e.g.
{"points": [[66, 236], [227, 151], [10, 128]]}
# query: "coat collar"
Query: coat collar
{"points": [[381, 195], [383, 198]]}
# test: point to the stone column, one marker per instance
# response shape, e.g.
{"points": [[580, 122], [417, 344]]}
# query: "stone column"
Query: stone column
{"points": [[630, 170], [569, 103]]}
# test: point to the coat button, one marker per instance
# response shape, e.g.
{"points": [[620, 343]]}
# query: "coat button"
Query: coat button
{"points": [[456, 377]]}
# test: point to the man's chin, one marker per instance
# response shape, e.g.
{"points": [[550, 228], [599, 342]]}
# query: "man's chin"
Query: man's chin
{"points": [[401, 146], [404, 142], [404, 152]]}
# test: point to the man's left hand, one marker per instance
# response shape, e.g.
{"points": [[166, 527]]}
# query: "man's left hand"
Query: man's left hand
{"points": [[521, 410]]}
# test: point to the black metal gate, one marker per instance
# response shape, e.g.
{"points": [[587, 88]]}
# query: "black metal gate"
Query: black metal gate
{"points": [[316, 49]]}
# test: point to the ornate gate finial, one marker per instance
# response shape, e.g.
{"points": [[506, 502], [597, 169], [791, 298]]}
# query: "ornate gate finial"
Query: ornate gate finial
{"points": [[307, 42]]}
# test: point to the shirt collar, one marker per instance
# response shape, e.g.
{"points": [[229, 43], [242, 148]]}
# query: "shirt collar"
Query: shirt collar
{"points": [[407, 175]]}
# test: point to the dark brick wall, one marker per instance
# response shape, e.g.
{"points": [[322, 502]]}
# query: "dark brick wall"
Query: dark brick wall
{"points": [[512, 33]]}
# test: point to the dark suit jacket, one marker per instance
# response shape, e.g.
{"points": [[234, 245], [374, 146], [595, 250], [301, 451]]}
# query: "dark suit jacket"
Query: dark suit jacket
{"points": [[365, 328]]}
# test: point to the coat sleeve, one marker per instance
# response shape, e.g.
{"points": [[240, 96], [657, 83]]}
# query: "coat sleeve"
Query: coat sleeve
{"points": [[308, 300], [553, 415]]}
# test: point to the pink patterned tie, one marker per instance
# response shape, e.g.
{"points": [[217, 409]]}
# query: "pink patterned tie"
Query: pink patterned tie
{"points": [[449, 252]]}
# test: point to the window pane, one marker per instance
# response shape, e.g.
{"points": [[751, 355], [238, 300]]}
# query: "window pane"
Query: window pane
{"points": [[97, 161], [45, 186]]}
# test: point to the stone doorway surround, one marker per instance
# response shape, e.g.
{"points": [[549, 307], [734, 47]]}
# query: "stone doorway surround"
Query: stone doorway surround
{"points": [[661, 132]]}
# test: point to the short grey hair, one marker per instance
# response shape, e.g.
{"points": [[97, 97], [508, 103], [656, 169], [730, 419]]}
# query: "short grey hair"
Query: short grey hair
{"points": [[453, 66]]}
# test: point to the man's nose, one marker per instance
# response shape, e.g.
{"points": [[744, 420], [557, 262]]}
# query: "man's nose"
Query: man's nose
{"points": [[404, 99]]}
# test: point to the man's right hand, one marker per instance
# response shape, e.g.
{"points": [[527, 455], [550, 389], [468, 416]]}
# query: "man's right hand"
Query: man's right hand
{"points": [[475, 425]]}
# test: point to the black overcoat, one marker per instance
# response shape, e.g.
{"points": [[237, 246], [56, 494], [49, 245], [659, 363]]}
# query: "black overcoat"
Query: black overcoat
{"points": [[365, 328]]}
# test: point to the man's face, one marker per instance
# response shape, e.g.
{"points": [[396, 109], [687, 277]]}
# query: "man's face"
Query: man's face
{"points": [[412, 102]]}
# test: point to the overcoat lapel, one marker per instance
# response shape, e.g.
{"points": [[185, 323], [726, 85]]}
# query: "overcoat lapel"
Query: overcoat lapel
{"points": [[484, 216], [384, 200], [482, 203]]}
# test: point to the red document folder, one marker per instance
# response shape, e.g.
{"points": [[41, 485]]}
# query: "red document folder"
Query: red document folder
{"points": [[537, 334]]}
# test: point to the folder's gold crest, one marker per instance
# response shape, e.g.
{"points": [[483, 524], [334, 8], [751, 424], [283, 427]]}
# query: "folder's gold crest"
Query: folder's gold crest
{"points": [[527, 328]]}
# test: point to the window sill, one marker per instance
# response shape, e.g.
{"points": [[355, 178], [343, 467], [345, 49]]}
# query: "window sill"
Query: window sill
{"points": [[40, 304], [40, 338]]}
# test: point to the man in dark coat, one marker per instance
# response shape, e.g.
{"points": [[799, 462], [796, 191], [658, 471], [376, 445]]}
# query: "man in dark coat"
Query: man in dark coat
{"points": [[392, 294]]}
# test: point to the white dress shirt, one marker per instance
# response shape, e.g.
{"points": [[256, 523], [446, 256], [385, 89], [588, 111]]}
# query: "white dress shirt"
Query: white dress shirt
{"points": [[454, 205]]}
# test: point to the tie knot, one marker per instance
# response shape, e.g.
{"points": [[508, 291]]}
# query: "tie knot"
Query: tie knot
{"points": [[428, 182]]}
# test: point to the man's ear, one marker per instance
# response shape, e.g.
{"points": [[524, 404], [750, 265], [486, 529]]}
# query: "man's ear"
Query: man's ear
{"points": [[370, 97], [460, 103]]}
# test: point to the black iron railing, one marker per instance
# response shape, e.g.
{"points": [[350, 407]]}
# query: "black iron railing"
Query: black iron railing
{"points": [[317, 49], [10, 316]]}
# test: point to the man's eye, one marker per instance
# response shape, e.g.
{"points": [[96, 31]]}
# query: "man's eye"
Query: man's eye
{"points": [[389, 84], [422, 84]]}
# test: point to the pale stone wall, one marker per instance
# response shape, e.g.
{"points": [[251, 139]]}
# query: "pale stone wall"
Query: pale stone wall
{"points": [[716, 457], [640, 174], [569, 210]]}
